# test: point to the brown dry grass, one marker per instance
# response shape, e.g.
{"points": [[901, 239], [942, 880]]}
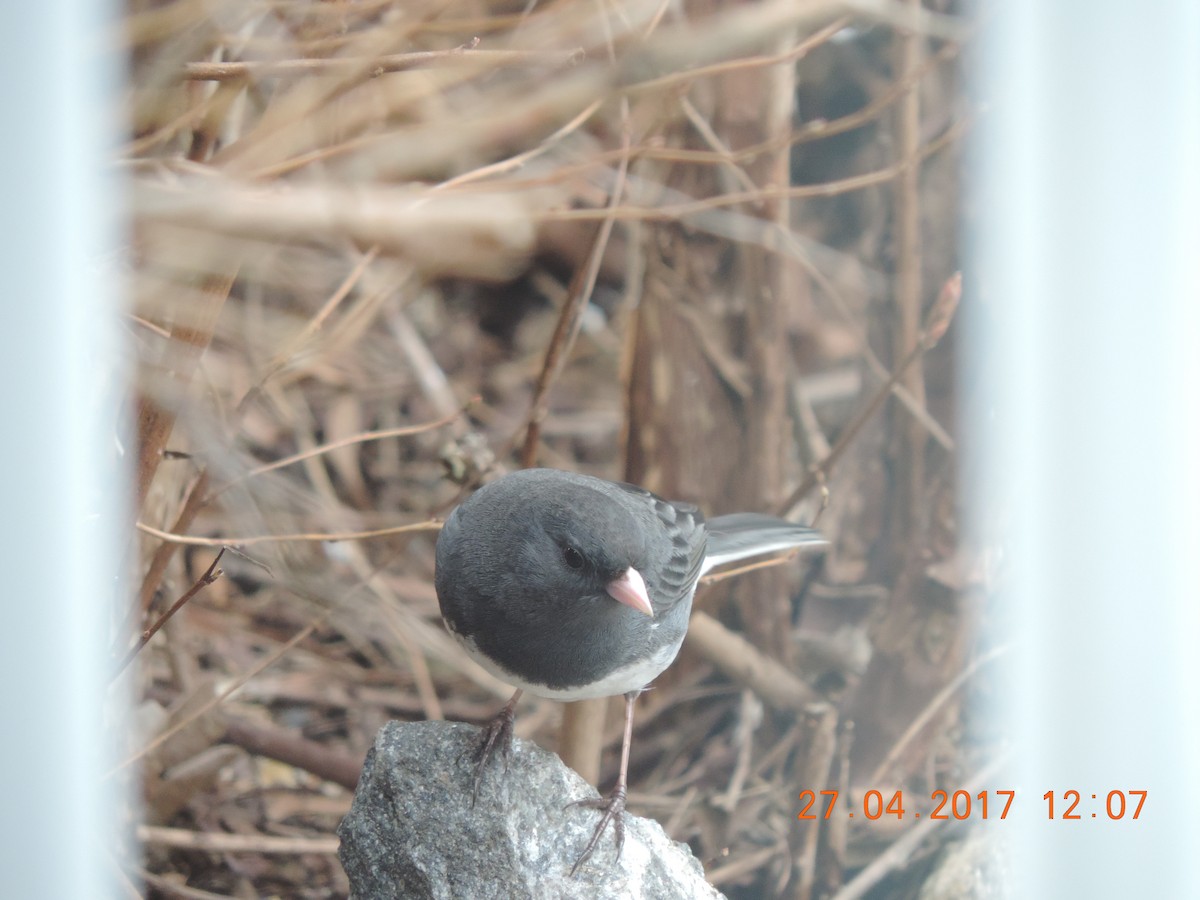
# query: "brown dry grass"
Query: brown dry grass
{"points": [[376, 244]]}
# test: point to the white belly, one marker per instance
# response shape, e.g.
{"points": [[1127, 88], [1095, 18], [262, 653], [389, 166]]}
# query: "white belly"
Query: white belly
{"points": [[633, 677]]}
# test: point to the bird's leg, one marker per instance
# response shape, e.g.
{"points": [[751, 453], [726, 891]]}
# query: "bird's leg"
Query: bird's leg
{"points": [[614, 804], [497, 735]]}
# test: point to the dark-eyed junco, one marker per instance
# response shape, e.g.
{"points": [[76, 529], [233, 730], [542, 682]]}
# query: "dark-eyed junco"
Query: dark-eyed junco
{"points": [[572, 587]]}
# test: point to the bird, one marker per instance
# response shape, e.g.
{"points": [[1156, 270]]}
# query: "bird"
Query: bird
{"points": [[573, 587]]}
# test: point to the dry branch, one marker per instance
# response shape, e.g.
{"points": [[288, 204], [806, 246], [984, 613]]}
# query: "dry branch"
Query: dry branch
{"points": [[745, 664], [211, 574], [482, 236]]}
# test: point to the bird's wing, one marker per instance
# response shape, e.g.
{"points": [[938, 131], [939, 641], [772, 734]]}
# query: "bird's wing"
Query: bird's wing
{"points": [[683, 524], [743, 535]]}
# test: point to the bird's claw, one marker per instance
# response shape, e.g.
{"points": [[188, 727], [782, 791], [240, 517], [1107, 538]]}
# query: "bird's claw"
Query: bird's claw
{"points": [[497, 735], [614, 811]]}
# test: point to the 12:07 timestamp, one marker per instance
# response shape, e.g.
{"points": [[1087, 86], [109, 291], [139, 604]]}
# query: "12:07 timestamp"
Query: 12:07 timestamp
{"points": [[962, 804]]}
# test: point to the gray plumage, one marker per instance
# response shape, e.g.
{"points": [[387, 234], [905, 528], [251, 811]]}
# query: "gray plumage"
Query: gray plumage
{"points": [[523, 565]]}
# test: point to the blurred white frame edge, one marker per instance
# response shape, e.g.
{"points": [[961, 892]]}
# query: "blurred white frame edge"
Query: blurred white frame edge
{"points": [[1080, 398], [64, 488]]}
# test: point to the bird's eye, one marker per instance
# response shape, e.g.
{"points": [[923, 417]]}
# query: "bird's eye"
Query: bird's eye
{"points": [[573, 557]]}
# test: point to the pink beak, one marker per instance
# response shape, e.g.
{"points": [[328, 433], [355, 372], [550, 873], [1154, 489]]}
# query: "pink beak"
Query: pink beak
{"points": [[630, 589]]}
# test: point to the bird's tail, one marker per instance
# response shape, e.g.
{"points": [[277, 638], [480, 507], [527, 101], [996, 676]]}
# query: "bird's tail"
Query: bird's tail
{"points": [[742, 535]]}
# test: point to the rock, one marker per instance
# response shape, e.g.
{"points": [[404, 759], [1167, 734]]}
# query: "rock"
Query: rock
{"points": [[412, 831]]}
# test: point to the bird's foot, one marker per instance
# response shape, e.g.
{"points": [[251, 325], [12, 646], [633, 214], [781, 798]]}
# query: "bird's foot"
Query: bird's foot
{"points": [[613, 807], [496, 737]]}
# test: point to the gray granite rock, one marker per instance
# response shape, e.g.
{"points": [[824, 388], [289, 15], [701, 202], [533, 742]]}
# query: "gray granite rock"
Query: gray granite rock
{"points": [[413, 833]]}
